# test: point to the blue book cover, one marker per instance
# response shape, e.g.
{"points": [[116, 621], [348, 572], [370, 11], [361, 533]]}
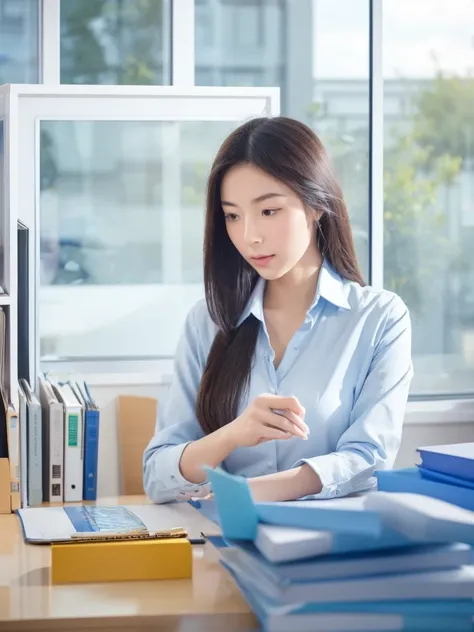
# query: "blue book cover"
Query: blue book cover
{"points": [[410, 480], [444, 478], [91, 442], [456, 459], [91, 454]]}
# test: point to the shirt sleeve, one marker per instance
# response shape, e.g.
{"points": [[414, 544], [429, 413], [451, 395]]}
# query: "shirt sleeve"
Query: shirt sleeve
{"points": [[373, 438], [177, 425]]}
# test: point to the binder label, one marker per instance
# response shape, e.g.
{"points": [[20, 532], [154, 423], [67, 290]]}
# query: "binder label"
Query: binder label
{"points": [[72, 430]]}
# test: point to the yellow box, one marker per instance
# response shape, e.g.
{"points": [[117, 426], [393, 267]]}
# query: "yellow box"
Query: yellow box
{"points": [[121, 561]]}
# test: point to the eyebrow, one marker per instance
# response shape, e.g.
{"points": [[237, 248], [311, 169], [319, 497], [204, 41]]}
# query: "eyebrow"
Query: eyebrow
{"points": [[260, 198]]}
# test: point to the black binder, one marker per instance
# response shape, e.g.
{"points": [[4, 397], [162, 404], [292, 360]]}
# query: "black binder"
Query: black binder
{"points": [[23, 304]]}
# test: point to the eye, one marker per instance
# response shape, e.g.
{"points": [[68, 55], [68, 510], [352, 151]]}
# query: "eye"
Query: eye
{"points": [[231, 217], [268, 212]]}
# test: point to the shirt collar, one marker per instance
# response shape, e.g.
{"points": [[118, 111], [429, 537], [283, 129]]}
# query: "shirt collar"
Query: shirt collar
{"points": [[331, 287]]}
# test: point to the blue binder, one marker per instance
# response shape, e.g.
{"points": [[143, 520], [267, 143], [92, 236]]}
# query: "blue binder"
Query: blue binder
{"points": [[455, 460], [91, 454], [444, 478], [411, 481], [91, 443]]}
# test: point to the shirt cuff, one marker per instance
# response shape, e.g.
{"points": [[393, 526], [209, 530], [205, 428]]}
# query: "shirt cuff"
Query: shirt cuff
{"points": [[170, 458], [336, 480]]}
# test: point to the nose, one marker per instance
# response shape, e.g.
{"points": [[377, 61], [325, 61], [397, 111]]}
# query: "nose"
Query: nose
{"points": [[252, 234]]}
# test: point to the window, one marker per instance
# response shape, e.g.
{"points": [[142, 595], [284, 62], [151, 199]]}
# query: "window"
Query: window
{"points": [[115, 42], [429, 184], [19, 28], [116, 205], [317, 52], [122, 222], [121, 212]]}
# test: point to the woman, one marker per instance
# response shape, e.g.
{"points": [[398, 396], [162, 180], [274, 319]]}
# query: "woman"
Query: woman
{"points": [[292, 372]]}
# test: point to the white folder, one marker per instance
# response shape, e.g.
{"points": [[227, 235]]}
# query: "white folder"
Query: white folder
{"points": [[34, 444], [73, 443], [53, 443]]}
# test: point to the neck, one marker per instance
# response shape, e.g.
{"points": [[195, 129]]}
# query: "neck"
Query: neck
{"points": [[296, 289]]}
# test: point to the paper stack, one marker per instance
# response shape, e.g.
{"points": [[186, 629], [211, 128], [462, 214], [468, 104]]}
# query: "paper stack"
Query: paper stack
{"points": [[446, 473], [375, 562]]}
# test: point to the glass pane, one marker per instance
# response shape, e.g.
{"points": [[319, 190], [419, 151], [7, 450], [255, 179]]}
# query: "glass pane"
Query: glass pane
{"points": [[429, 184], [121, 229], [123, 42], [19, 28], [317, 52]]}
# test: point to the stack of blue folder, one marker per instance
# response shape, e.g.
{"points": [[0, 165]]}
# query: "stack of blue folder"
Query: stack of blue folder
{"points": [[446, 472], [383, 561]]}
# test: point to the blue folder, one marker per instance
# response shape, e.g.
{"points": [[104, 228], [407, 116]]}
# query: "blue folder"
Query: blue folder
{"points": [[388, 538], [239, 515], [454, 615], [410, 480], [444, 478], [455, 460], [91, 442], [91, 454]]}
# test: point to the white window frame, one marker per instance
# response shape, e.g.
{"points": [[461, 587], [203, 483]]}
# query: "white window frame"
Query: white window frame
{"points": [[31, 104]]}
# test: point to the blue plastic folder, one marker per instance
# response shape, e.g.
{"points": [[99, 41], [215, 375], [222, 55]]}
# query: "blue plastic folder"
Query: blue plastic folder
{"points": [[341, 542], [239, 516], [455, 460], [439, 477], [410, 480]]}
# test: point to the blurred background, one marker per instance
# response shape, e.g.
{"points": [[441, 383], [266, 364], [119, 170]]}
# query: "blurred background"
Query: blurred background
{"points": [[121, 203]]}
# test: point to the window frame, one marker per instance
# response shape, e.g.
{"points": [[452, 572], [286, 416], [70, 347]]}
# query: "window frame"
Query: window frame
{"points": [[29, 105]]}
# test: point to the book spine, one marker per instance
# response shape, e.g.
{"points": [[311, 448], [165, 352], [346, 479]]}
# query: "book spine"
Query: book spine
{"points": [[35, 469], [91, 453]]}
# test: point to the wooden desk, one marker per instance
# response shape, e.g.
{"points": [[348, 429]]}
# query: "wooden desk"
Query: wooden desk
{"points": [[208, 602]]}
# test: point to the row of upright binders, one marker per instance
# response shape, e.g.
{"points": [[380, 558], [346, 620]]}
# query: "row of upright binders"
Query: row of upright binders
{"points": [[58, 443]]}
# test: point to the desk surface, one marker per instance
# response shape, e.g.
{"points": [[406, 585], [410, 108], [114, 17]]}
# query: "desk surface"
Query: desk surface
{"points": [[210, 601]]}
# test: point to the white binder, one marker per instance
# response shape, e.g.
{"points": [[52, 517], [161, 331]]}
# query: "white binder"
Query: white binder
{"points": [[34, 444], [73, 443], [53, 443]]}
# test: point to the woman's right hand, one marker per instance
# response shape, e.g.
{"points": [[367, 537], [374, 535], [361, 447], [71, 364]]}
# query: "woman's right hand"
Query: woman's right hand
{"points": [[259, 422]]}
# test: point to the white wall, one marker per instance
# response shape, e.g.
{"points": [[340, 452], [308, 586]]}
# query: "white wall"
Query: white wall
{"points": [[106, 397]]}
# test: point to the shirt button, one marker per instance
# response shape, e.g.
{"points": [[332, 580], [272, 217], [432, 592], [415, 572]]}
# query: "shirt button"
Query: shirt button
{"points": [[338, 492]]}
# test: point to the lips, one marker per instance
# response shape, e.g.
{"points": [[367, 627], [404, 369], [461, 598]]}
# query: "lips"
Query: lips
{"points": [[261, 260]]}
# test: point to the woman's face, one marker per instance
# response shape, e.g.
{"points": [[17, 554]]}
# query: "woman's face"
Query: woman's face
{"points": [[266, 221]]}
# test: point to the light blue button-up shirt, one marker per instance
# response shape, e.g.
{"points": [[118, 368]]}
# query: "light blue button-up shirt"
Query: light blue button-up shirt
{"points": [[350, 367]]}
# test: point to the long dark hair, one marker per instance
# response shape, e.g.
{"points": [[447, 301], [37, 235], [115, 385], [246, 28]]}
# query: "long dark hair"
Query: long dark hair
{"points": [[291, 152]]}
